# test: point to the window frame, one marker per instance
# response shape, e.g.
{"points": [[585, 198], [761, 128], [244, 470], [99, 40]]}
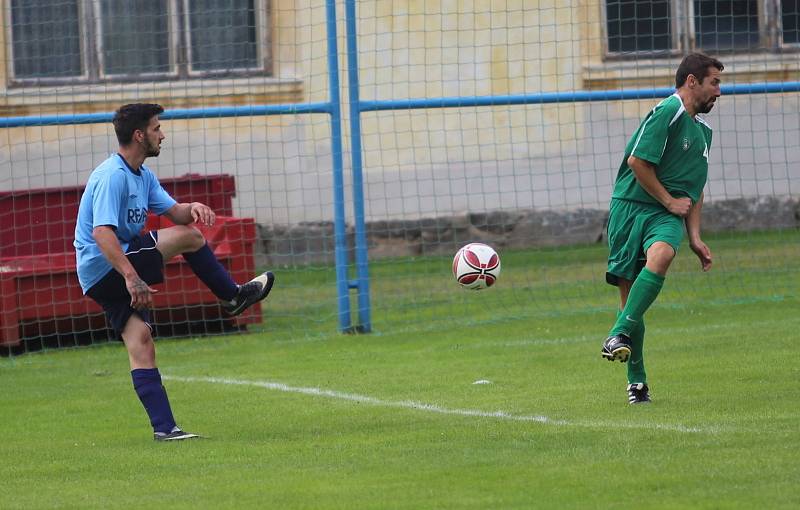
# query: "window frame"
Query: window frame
{"points": [[683, 33], [90, 32]]}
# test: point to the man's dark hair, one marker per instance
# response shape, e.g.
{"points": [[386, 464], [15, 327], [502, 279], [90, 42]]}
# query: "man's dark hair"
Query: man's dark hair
{"points": [[131, 117], [696, 64]]}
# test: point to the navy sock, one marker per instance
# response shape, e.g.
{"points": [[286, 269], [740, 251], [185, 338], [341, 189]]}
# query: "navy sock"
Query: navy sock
{"points": [[147, 383], [206, 266]]}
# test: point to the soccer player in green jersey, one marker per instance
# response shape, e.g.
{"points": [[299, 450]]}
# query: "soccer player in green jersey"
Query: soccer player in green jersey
{"points": [[658, 190]]}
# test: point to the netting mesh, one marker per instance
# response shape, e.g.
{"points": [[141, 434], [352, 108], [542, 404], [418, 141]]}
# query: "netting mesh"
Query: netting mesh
{"points": [[532, 180]]}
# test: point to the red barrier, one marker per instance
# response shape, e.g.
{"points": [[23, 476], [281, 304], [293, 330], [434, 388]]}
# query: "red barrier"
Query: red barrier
{"points": [[39, 290], [41, 221]]}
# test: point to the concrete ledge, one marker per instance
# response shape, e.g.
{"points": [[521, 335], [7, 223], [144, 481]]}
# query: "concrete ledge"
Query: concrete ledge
{"points": [[313, 243]]}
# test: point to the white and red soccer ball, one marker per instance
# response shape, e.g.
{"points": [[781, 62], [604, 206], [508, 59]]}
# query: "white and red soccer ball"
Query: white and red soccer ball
{"points": [[476, 266]]}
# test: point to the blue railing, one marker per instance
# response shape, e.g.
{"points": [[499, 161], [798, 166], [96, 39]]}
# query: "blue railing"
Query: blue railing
{"points": [[180, 113]]}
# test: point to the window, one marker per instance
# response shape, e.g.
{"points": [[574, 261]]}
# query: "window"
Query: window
{"points": [[674, 26], [790, 17], [726, 25], [57, 41], [134, 37], [222, 37], [46, 40], [639, 26]]}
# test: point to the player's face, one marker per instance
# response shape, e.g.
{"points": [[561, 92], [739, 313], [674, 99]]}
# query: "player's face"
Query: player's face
{"points": [[707, 91], [152, 138]]}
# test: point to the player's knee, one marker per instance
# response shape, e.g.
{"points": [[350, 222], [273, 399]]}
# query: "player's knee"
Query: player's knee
{"points": [[659, 256], [664, 251], [192, 238], [141, 348], [148, 351]]}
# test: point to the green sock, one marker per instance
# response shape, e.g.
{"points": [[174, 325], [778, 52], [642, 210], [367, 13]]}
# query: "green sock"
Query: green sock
{"points": [[643, 292], [636, 373]]}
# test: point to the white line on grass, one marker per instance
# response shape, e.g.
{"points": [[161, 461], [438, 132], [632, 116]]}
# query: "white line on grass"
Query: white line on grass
{"points": [[433, 408]]}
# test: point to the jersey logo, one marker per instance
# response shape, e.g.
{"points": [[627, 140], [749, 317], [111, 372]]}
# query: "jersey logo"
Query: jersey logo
{"points": [[137, 215], [685, 144]]}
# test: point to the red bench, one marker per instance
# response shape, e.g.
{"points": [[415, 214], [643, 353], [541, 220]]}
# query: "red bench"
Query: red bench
{"points": [[39, 290]]}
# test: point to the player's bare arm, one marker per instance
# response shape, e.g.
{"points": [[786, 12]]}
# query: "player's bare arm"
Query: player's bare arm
{"points": [[141, 293], [187, 213], [693, 231], [645, 173]]}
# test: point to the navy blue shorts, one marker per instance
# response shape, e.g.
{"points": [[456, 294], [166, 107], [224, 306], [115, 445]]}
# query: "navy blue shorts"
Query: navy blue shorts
{"points": [[112, 294]]}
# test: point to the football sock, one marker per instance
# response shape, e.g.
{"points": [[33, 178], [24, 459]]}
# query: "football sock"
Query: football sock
{"points": [[643, 292], [636, 373], [206, 266], [147, 383]]}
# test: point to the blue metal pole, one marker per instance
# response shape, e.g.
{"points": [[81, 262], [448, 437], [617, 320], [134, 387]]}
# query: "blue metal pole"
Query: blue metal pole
{"points": [[339, 230], [361, 255]]}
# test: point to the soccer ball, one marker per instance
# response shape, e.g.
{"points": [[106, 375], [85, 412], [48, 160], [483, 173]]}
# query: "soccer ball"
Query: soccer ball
{"points": [[476, 266]]}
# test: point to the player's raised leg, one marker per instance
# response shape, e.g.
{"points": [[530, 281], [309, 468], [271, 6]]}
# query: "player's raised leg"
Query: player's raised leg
{"points": [[190, 242], [643, 292], [632, 348], [618, 347]]}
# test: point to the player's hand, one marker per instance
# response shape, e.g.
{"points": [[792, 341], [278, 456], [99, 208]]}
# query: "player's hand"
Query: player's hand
{"points": [[141, 293], [680, 206], [703, 253], [202, 214]]}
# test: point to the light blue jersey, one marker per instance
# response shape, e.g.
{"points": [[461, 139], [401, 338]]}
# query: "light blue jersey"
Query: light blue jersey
{"points": [[120, 197]]}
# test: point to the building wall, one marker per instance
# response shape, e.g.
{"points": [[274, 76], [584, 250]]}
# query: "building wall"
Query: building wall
{"points": [[420, 163]]}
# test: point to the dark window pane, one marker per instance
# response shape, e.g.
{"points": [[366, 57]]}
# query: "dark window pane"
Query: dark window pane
{"points": [[223, 34], [726, 25], [790, 12], [45, 38], [635, 25], [135, 36]]}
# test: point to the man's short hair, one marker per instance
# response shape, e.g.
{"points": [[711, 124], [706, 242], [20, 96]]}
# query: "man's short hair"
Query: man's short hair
{"points": [[696, 64], [131, 117]]}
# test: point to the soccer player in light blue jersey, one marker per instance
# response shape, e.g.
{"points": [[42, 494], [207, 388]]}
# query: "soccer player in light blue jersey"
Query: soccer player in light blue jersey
{"points": [[117, 263], [658, 193]]}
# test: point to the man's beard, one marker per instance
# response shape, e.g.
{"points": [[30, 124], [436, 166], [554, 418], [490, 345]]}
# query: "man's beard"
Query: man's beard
{"points": [[151, 150], [706, 107]]}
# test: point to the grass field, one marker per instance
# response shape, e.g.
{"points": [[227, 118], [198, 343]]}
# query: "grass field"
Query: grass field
{"points": [[299, 416]]}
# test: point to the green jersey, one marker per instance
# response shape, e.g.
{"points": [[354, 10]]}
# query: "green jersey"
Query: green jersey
{"points": [[676, 144]]}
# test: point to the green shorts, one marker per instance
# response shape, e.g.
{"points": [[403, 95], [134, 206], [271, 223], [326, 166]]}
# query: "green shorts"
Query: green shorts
{"points": [[632, 228]]}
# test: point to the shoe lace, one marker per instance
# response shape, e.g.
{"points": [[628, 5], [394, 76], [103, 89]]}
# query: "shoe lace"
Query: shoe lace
{"points": [[249, 289]]}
